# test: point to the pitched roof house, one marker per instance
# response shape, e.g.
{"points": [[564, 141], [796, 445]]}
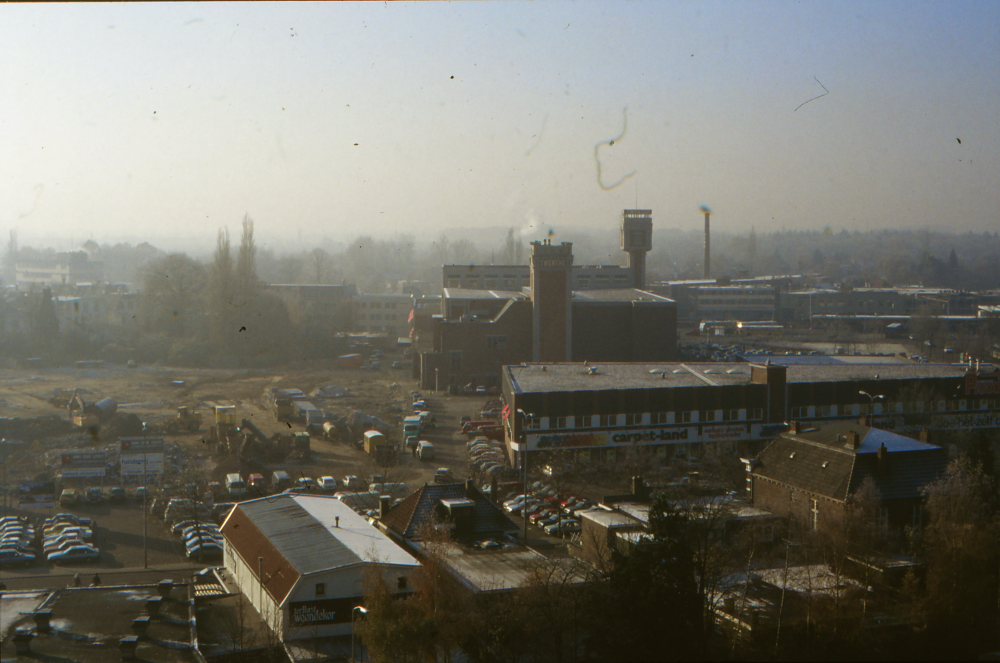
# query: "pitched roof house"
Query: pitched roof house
{"points": [[461, 506], [811, 474]]}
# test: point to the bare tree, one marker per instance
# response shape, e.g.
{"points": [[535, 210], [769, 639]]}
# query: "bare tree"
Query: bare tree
{"points": [[319, 261], [246, 263], [171, 296]]}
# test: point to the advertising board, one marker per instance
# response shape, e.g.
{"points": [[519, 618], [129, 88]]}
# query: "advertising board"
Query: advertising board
{"points": [[141, 455], [83, 464]]}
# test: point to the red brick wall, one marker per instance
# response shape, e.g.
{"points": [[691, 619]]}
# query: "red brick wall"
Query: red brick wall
{"points": [[551, 297], [778, 499]]}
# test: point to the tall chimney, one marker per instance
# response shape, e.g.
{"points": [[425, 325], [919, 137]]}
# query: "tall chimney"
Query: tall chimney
{"points": [[708, 244]]}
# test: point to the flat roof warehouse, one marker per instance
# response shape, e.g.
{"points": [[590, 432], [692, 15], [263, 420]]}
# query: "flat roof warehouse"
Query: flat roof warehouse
{"points": [[542, 378]]}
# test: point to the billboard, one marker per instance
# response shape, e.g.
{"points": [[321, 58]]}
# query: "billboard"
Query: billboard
{"points": [[83, 464], [141, 455]]}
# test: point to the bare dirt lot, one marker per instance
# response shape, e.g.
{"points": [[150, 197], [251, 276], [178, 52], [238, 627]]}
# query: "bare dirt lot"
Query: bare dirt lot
{"points": [[153, 394]]}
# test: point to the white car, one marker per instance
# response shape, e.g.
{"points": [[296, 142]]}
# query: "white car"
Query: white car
{"points": [[328, 483]]}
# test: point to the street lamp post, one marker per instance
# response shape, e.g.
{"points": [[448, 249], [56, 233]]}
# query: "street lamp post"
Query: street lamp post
{"points": [[871, 403], [364, 611], [524, 467]]}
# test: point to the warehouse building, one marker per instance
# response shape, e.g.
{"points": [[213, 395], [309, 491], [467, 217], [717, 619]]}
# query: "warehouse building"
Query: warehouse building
{"points": [[302, 560], [605, 411]]}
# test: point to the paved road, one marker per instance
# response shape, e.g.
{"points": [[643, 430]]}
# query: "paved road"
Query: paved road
{"points": [[63, 577]]}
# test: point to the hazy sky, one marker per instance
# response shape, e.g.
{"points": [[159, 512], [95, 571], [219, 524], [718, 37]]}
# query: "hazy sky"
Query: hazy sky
{"points": [[333, 119]]}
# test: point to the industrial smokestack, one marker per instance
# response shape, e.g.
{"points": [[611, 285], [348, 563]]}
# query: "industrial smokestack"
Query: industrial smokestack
{"points": [[708, 244]]}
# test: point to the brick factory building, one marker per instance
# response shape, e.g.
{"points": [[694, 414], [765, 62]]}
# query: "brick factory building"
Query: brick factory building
{"points": [[551, 319]]}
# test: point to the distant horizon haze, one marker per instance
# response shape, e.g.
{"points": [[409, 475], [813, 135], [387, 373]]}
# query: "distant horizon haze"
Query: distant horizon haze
{"points": [[333, 120]]}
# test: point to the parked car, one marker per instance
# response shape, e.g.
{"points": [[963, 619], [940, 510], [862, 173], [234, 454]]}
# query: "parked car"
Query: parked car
{"points": [[15, 558], [563, 527], [539, 516], [67, 517], [487, 544], [61, 544], [142, 493], [203, 549], [94, 494], [257, 483], [75, 554], [328, 483], [352, 482], [69, 497], [306, 483], [24, 550], [180, 526], [116, 494]]}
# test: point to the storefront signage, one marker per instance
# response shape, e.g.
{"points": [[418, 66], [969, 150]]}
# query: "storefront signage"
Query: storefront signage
{"points": [[317, 613], [729, 433], [568, 440], [609, 438], [982, 385], [965, 421]]}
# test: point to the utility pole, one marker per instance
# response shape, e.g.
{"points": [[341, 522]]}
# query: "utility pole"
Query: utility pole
{"points": [[145, 516]]}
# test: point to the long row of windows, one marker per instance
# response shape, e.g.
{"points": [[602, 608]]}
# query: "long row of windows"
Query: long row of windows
{"points": [[914, 407], [644, 419]]}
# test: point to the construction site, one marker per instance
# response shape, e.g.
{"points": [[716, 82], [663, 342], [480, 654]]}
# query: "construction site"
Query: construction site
{"points": [[83, 429]]}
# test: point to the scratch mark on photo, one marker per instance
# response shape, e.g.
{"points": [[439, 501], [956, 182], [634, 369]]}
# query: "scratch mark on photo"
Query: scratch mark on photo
{"points": [[610, 143], [825, 92], [541, 133]]}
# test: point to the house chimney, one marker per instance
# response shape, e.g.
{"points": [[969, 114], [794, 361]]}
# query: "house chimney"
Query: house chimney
{"points": [[853, 441], [336, 521], [796, 427], [883, 460], [925, 436], [470, 488], [384, 502], [638, 488], [494, 490]]}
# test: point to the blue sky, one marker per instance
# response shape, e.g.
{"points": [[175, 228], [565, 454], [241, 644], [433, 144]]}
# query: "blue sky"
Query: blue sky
{"points": [[171, 120]]}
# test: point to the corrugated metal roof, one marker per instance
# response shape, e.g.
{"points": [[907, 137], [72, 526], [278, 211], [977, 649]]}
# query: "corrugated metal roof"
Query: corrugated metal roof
{"points": [[302, 532]]}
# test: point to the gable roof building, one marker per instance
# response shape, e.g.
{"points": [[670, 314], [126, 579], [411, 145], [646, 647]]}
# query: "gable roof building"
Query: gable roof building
{"points": [[461, 506], [301, 560], [811, 474]]}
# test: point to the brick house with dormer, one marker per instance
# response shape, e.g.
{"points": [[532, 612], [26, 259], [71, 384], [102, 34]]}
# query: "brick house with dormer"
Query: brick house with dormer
{"points": [[810, 474]]}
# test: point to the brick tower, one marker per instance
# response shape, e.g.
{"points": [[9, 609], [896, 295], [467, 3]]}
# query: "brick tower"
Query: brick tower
{"points": [[551, 292]]}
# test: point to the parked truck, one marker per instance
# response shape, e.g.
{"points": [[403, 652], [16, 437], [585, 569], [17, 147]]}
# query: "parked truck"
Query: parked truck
{"points": [[374, 441]]}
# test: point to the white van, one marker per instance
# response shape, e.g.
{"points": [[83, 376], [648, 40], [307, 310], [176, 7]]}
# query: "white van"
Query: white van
{"points": [[425, 450], [235, 485]]}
